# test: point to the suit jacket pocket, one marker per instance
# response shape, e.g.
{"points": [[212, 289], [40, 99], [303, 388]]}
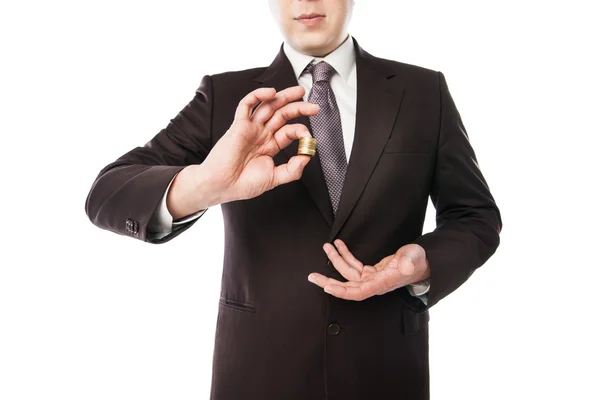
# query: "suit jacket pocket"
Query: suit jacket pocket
{"points": [[237, 305]]}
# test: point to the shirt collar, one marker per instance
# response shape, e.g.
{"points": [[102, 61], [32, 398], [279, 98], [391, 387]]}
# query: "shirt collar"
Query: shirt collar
{"points": [[341, 59]]}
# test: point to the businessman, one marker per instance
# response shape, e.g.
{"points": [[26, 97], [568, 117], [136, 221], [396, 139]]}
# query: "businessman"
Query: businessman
{"points": [[327, 277]]}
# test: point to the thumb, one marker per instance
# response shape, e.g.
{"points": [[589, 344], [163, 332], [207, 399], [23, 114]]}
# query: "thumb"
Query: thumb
{"points": [[403, 263], [297, 164], [292, 170]]}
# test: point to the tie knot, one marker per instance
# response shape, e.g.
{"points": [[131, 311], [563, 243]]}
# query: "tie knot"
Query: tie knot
{"points": [[321, 71]]}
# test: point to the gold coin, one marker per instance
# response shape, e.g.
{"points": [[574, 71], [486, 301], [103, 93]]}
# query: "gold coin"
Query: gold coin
{"points": [[307, 146]]}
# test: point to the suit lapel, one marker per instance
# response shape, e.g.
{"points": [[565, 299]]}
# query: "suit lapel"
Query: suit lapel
{"points": [[377, 106], [280, 75]]}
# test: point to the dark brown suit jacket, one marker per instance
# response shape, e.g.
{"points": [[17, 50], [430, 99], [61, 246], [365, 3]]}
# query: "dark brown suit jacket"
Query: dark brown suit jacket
{"points": [[277, 334]]}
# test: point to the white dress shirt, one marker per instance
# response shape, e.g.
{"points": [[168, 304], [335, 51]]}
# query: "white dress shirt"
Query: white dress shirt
{"points": [[343, 84]]}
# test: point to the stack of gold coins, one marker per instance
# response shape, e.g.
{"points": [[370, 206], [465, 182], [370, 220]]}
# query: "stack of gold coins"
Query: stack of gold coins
{"points": [[307, 146]]}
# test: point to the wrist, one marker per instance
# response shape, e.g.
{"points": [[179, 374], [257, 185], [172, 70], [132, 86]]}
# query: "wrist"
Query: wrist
{"points": [[190, 192], [205, 190]]}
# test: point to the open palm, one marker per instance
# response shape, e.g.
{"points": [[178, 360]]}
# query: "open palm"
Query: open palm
{"points": [[364, 281]]}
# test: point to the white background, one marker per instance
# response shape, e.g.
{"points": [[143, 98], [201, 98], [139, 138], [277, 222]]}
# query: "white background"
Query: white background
{"points": [[88, 314]]}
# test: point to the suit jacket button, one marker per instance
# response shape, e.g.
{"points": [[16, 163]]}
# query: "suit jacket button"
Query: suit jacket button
{"points": [[131, 225], [333, 329]]}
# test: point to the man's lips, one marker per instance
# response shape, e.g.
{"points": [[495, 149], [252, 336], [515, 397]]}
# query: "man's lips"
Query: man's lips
{"points": [[310, 19]]}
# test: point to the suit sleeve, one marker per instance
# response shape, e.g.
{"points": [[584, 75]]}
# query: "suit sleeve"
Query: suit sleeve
{"points": [[126, 192], [468, 222]]}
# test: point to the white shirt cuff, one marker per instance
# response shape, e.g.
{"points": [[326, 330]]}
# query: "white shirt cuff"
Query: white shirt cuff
{"points": [[419, 288], [162, 220]]}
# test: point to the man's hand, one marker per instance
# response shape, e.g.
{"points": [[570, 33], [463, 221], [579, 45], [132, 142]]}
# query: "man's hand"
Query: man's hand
{"points": [[407, 265], [240, 165]]}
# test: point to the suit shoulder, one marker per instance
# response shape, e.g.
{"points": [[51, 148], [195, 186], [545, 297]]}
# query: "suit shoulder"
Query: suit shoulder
{"points": [[244, 74], [231, 86], [412, 70]]}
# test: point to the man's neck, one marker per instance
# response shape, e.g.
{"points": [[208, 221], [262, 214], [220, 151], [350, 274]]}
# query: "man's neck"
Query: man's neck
{"points": [[322, 53]]}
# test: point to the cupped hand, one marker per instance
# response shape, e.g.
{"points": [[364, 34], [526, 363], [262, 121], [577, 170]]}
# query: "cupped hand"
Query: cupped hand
{"points": [[406, 266]]}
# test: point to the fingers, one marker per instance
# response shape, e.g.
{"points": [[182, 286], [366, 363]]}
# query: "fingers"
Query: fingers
{"points": [[290, 171], [251, 100], [345, 268], [356, 293], [346, 290], [324, 281], [363, 280], [266, 109], [347, 255], [290, 111], [287, 134]]}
